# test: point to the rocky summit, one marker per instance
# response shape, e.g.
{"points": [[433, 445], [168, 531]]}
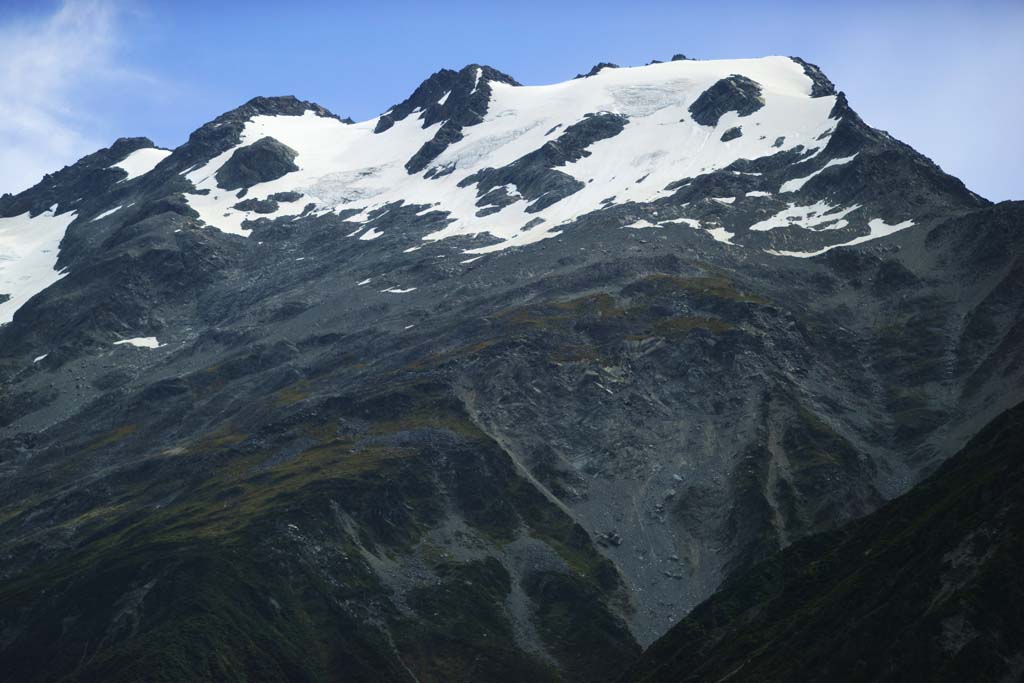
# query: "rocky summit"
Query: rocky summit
{"points": [[497, 386]]}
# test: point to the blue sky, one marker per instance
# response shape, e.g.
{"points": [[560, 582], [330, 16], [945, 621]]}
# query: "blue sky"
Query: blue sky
{"points": [[75, 75]]}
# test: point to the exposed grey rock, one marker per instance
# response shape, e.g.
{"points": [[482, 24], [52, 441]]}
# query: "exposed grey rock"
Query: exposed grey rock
{"points": [[285, 196], [257, 205], [821, 86], [225, 132], [439, 171], [495, 200], [468, 95], [286, 105], [596, 69], [735, 93], [732, 133], [534, 174], [266, 159], [89, 177]]}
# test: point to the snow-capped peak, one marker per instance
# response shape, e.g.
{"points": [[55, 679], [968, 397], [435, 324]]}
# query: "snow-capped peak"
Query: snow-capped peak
{"points": [[367, 165]]}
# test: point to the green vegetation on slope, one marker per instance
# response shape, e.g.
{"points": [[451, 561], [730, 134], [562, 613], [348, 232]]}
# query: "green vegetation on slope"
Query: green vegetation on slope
{"points": [[324, 562]]}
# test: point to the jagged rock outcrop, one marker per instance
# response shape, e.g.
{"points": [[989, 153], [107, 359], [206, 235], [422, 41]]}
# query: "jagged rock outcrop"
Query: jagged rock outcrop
{"points": [[535, 176], [735, 93], [596, 69], [266, 159]]}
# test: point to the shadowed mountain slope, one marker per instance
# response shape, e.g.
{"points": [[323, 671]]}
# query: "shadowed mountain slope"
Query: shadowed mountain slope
{"points": [[928, 588]]}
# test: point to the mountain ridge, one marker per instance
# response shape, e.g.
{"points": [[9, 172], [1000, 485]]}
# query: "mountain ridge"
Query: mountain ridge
{"points": [[526, 367]]}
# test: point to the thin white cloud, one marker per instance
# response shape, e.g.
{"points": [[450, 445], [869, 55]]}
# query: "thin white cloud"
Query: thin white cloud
{"points": [[46, 66]]}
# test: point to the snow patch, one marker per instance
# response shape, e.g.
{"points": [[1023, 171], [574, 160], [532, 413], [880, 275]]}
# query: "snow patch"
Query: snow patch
{"points": [[807, 217], [721, 235], [29, 248], [797, 183], [141, 162], [141, 342], [107, 213], [876, 226]]}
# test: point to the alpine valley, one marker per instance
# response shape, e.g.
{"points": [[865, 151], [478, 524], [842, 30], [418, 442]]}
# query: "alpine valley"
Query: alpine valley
{"points": [[504, 383]]}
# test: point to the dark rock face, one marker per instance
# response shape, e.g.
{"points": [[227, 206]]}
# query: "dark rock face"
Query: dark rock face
{"points": [[225, 132], [735, 93], [821, 85], [467, 99], [266, 159], [459, 99], [732, 133], [268, 205], [286, 105], [877, 601], [285, 196], [534, 174], [257, 205], [73, 186], [596, 69], [495, 200]]}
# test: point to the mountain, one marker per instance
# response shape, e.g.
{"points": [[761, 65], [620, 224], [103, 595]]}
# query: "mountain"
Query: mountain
{"points": [[499, 384], [928, 588]]}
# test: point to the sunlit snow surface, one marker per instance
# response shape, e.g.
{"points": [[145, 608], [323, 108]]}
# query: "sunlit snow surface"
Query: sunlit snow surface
{"points": [[819, 216], [141, 161], [641, 224], [878, 227], [721, 235], [28, 256], [107, 213], [350, 167], [797, 183], [141, 342]]}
